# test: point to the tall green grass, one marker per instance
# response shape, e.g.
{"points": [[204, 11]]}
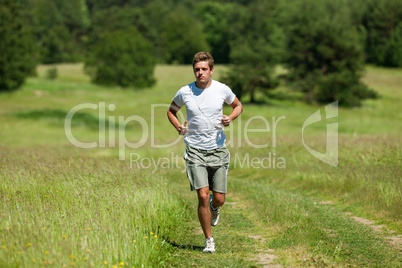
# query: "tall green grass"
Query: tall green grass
{"points": [[305, 232], [69, 209], [69, 206]]}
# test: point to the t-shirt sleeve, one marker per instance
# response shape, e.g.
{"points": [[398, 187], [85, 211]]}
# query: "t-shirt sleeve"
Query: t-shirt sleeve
{"points": [[229, 96], [178, 99]]}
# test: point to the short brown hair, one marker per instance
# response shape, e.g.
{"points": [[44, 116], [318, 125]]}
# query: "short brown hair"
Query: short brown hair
{"points": [[204, 56]]}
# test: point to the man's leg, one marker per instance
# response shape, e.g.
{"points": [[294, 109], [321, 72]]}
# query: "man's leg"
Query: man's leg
{"points": [[218, 199], [204, 214]]}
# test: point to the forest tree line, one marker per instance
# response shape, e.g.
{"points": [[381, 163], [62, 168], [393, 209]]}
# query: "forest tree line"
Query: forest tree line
{"points": [[323, 44]]}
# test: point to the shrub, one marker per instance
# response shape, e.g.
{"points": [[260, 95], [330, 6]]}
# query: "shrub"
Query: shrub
{"points": [[52, 73], [122, 58], [182, 37], [17, 57], [344, 87], [324, 52], [254, 53]]}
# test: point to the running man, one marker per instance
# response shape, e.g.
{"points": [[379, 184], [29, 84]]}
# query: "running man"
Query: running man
{"points": [[206, 155]]}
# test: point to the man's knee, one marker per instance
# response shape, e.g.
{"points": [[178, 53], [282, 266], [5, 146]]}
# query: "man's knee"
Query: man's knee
{"points": [[219, 199], [203, 195], [221, 202]]}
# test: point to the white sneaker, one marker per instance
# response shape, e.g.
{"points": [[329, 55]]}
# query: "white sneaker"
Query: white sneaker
{"points": [[209, 245], [214, 213]]}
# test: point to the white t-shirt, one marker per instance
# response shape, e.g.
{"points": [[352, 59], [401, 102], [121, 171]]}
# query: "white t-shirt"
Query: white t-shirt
{"points": [[204, 113]]}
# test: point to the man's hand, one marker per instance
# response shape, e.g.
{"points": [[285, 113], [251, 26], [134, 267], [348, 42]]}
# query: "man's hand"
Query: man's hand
{"points": [[182, 129], [226, 120]]}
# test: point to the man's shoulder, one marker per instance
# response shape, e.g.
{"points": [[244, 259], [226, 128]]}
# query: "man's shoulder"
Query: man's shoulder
{"points": [[220, 85], [187, 87]]}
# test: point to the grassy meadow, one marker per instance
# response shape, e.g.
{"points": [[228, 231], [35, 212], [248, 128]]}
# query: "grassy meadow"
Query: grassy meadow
{"points": [[126, 202]]}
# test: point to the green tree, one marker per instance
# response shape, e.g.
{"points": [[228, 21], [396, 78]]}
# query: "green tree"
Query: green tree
{"points": [[324, 54], [153, 17], [215, 20], [118, 18], [255, 50], [121, 58], [57, 45], [381, 20], [60, 28], [17, 57], [148, 20], [96, 5], [394, 51], [182, 37]]}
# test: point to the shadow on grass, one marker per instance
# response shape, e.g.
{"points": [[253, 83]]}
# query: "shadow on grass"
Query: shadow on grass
{"points": [[189, 247], [57, 117]]}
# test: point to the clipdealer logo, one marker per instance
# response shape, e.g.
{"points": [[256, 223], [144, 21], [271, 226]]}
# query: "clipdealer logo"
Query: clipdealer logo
{"points": [[330, 156], [115, 127]]}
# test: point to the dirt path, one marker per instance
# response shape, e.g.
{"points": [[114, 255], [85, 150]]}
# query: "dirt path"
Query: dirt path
{"points": [[243, 236], [394, 240], [237, 223], [263, 255]]}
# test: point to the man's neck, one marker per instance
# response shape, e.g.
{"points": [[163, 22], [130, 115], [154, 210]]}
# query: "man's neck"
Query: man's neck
{"points": [[203, 85]]}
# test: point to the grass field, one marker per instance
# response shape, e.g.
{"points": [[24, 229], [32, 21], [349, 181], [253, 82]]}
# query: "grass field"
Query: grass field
{"points": [[126, 202]]}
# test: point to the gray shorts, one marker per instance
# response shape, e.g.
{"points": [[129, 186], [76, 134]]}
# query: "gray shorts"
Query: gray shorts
{"points": [[207, 168]]}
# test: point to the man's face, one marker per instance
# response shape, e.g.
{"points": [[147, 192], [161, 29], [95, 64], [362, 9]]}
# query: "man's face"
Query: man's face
{"points": [[202, 72]]}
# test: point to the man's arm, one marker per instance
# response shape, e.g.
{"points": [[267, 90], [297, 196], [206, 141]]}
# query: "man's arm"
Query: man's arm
{"points": [[237, 110], [171, 113]]}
